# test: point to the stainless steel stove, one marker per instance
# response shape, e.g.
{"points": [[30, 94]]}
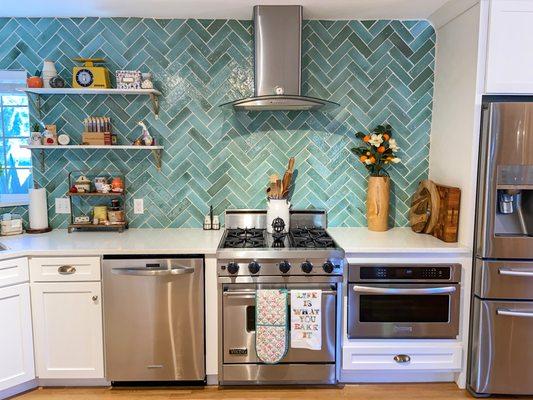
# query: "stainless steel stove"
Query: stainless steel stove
{"points": [[248, 258]]}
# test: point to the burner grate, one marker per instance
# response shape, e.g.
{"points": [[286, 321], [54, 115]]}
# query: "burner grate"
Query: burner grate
{"points": [[304, 237], [244, 238]]}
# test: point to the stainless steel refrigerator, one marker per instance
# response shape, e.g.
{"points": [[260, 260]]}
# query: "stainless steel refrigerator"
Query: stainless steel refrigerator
{"points": [[501, 345]]}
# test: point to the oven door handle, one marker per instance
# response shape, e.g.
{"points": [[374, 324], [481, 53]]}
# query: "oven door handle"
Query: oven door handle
{"points": [[253, 292], [380, 290]]}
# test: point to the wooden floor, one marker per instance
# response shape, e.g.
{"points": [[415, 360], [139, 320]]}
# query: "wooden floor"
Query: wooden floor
{"points": [[431, 391]]}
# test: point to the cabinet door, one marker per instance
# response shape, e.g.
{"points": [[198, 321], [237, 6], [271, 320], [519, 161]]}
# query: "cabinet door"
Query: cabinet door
{"points": [[16, 344], [67, 326], [510, 47]]}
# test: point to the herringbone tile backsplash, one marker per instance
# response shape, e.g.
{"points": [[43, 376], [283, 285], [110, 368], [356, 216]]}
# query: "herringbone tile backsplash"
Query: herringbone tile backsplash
{"points": [[379, 71]]}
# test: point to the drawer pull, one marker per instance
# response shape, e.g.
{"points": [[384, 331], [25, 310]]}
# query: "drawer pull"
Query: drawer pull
{"points": [[512, 313], [95, 298], [66, 270], [402, 358], [514, 272]]}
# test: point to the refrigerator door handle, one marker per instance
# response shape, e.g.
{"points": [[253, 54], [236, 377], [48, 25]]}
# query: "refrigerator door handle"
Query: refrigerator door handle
{"points": [[512, 313], [514, 272]]}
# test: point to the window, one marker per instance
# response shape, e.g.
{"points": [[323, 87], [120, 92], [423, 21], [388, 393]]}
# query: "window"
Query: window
{"points": [[15, 162]]}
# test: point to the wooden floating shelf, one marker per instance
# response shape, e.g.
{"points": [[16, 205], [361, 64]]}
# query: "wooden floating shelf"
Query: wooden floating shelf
{"points": [[156, 150], [38, 92], [95, 194], [68, 91], [87, 146]]}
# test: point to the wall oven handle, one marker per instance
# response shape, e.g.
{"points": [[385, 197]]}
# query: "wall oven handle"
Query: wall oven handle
{"points": [[381, 290], [152, 272], [514, 272], [511, 313], [253, 292]]}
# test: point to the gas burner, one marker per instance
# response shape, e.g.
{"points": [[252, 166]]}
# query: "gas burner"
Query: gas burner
{"points": [[304, 237], [278, 240], [244, 238]]}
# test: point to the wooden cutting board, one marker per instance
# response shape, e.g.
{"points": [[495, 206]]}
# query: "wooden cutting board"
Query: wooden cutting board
{"points": [[435, 210]]}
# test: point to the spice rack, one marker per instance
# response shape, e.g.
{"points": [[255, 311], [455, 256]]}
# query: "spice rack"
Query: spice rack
{"points": [[88, 198]]}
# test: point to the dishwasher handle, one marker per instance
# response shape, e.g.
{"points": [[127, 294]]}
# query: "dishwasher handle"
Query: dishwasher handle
{"points": [[180, 270]]}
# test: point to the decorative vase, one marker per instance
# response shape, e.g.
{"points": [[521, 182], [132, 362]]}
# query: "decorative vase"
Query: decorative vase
{"points": [[377, 203], [49, 72]]}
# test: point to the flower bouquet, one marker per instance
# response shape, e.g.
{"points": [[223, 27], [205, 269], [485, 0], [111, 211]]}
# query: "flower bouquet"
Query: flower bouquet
{"points": [[376, 152]]}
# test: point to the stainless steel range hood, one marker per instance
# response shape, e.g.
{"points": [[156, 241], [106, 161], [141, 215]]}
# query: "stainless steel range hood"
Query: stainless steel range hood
{"points": [[277, 63]]}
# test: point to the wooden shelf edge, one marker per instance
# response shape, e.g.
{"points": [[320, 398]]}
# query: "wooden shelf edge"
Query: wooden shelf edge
{"points": [[95, 194], [89, 147], [76, 91]]}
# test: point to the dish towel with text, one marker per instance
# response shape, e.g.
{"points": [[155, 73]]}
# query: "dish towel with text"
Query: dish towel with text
{"points": [[306, 319], [271, 338]]}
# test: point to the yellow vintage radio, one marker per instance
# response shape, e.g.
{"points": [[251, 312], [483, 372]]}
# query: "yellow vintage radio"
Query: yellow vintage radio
{"points": [[90, 76]]}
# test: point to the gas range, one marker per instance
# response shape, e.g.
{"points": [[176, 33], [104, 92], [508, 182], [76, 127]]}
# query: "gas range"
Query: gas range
{"points": [[306, 249], [248, 260]]}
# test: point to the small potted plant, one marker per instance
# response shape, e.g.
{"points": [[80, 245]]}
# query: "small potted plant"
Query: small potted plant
{"points": [[376, 153], [35, 135], [35, 81]]}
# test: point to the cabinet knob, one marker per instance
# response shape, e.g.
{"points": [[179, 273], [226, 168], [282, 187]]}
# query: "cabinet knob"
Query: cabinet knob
{"points": [[95, 298], [402, 358], [66, 269]]}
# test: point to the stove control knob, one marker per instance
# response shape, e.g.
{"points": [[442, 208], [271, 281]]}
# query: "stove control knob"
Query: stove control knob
{"points": [[307, 267], [254, 267], [328, 267], [233, 268], [284, 266]]}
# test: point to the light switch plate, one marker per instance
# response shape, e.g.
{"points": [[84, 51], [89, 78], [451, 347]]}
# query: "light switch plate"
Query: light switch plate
{"points": [[138, 206], [62, 205]]}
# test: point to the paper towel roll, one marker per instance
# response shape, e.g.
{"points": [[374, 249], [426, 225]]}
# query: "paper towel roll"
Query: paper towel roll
{"points": [[38, 209]]}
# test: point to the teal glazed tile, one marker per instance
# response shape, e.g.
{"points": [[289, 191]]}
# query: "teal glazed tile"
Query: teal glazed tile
{"points": [[379, 71]]}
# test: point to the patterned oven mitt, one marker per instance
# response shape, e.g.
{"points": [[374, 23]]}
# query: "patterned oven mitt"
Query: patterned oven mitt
{"points": [[271, 329]]}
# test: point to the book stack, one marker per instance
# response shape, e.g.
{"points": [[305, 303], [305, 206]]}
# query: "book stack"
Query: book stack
{"points": [[97, 132]]}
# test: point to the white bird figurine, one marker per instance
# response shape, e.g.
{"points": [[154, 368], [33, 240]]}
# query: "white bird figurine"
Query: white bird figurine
{"points": [[146, 138]]}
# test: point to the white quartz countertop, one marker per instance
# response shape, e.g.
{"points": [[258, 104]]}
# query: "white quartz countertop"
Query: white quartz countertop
{"points": [[197, 241], [395, 240], [131, 241]]}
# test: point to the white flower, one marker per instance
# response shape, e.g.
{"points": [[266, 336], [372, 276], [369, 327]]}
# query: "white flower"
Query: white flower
{"points": [[376, 140], [396, 160], [393, 145], [367, 161]]}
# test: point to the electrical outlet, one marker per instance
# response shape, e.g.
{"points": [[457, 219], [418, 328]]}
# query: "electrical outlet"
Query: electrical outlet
{"points": [[138, 206], [62, 205]]}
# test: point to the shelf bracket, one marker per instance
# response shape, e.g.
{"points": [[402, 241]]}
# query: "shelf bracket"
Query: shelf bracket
{"points": [[35, 101], [155, 105], [157, 158]]}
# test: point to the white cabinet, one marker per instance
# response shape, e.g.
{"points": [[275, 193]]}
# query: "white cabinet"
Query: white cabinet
{"points": [[67, 324], [510, 47], [16, 346]]}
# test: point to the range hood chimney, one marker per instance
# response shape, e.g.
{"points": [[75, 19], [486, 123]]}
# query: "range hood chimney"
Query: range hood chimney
{"points": [[277, 63]]}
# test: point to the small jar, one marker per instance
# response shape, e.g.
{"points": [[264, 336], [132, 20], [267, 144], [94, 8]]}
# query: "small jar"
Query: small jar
{"points": [[207, 222], [216, 223]]}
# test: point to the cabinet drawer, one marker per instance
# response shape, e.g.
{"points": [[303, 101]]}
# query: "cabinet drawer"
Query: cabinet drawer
{"points": [[402, 358], [64, 269], [13, 271]]}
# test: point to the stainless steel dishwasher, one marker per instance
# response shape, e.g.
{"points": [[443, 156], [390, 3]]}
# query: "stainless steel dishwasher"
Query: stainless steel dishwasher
{"points": [[154, 318]]}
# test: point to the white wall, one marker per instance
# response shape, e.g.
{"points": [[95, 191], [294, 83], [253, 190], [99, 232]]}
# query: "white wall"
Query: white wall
{"points": [[456, 107]]}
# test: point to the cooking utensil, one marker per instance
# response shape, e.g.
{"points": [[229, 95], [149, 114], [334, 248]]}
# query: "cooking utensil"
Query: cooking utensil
{"points": [[287, 178], [271, 190]]}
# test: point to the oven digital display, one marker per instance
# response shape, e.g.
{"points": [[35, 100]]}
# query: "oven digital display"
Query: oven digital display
{"points": [[405, 273]]}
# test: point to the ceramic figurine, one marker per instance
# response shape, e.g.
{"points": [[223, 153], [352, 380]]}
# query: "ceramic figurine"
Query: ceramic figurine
{"points": [[147, 80], [146, 138]]}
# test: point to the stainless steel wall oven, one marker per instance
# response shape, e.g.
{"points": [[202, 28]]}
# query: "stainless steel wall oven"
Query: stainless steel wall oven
{"points": [[403, 301]]}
